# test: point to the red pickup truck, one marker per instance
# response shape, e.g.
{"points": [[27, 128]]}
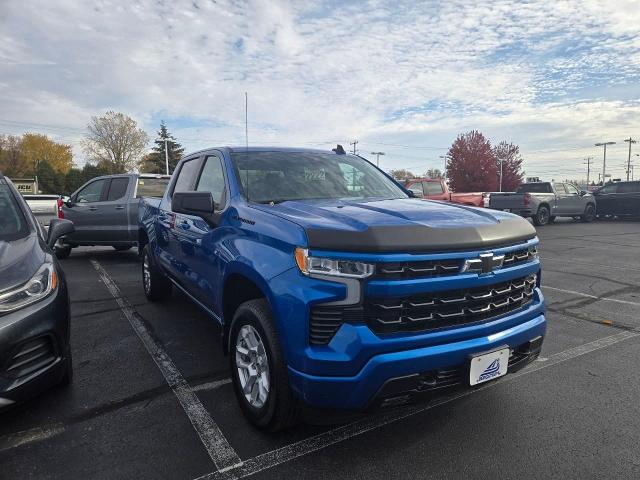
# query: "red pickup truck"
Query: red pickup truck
{"points": [[437, 189]]}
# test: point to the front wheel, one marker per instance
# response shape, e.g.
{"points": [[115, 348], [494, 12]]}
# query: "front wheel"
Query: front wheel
{"points": [[541, 217], [589, 214], [259, 374], [157, 287]]}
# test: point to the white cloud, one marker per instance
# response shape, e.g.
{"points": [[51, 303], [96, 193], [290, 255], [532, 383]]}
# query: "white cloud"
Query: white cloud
{"points": [[412, 73]]}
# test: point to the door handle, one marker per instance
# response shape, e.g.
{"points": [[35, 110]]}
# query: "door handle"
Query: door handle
{"points": [[119, 207], [93, 209]]}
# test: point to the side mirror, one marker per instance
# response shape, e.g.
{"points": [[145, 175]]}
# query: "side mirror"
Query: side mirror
{"points": [[199, 204], [59, 227], [583, 193], [412, 194]]}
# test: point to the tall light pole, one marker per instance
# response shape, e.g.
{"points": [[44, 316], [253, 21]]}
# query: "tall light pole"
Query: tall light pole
{"points": [[630, 141], [444, 172], [166, 155], [377, 154], [604, 158]]}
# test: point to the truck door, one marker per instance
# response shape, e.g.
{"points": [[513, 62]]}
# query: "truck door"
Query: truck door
{"points": [[86, 206], [201, 242], [607, 200], [629, 198], [576, 203], [559, 205], [113, 220]]}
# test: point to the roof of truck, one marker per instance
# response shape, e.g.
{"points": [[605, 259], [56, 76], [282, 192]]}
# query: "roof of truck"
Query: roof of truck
{"points": [[240, 149]]}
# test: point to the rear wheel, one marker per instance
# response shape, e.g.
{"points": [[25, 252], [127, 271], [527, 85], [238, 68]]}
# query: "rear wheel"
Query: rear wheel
{"points": [[157, 287], [542, 216], [589, 214], [260, 377]]}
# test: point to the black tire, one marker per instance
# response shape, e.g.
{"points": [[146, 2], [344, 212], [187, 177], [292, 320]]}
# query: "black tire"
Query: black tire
{"points": [[589, 213], [542, 216], [281, 409], [156, 286], [122, 248], [62, 252], [67, 379]]}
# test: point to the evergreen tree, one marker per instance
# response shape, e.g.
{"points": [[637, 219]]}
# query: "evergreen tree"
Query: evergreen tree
{"points": [[154, 162]]}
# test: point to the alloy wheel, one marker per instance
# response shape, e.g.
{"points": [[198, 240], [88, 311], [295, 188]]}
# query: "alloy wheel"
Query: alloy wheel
{"points": [[252, 364]]}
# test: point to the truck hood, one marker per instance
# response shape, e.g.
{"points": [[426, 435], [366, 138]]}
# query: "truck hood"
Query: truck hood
{"points": [[401, 225], [19, 260]]}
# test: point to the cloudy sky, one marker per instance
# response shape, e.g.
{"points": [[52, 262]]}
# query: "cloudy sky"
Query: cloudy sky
{"points": [[405, 78]]}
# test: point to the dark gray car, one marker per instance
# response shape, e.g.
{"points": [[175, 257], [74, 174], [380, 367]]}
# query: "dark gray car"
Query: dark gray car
{"points": [[104, 210]]}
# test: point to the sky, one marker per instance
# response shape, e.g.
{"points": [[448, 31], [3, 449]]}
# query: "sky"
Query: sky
{"points": [[405, 78]]}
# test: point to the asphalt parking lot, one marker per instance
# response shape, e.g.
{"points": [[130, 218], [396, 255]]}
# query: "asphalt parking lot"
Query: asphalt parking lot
{"points": [[151, 396]]}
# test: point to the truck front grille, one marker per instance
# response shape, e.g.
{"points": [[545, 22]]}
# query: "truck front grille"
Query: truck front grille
{"points": [[437, 310], [445, 267], [424, 312]]}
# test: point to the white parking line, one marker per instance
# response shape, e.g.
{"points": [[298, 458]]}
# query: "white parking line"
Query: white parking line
{"points": [[28, 436], [340, 434], [217, 446], [586, 295]]}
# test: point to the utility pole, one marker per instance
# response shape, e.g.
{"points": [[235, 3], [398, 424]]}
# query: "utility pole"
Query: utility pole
{"points": [[444, 172], [604, 158], [630, 141], [589, 161], [166, 155], [354, 143], [377, 154]]}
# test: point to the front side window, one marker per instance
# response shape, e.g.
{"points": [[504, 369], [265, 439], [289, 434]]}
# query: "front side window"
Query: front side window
{"points": [[417, 189], [571, 190], [91, 193], [186, 176], [212, 180], [608, 189], [560, 190], [13, 225], [280, 176]]}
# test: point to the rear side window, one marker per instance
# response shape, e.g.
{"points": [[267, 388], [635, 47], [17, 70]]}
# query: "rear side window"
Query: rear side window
{"points": [[631, 187], [91, 193], [212, 180], [13, 225], [432, 188], [609, 189], [186, 176], [118, 188]]}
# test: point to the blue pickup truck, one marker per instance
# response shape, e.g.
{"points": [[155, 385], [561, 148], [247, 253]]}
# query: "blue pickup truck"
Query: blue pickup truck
{"points": [[334, 287]]}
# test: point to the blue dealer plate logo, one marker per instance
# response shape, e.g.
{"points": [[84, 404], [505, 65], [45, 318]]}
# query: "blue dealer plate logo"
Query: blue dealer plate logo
{"points": [[491, 371]]}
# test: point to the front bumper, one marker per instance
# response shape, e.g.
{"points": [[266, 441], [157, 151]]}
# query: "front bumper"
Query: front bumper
{"points": [[44, 328], [371, 383]]}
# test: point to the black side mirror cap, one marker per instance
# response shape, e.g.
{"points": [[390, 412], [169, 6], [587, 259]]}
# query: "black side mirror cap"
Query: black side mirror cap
{"points": [[199, 204], [59, 227], [412, 194]]}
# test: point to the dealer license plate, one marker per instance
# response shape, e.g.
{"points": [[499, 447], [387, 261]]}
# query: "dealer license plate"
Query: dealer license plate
{"points": [[488, 366]]}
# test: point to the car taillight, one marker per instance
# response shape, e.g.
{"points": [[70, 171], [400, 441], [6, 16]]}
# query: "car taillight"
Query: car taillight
{"points": [[527, 199], [60, 212]]}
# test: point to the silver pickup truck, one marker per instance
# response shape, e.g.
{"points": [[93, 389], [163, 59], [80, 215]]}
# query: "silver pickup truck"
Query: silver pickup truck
{"points": [[44, 207], [544, 201], [104, 210]]}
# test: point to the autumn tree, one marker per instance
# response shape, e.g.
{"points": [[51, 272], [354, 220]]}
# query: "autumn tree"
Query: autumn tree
{"points": [[115, 141], [509, 155], [401, 174], [155, 162], [471, 164], [37, 148]]}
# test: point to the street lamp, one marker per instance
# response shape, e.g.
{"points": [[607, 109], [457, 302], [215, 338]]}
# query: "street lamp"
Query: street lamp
{"points": [[604, 158], [377, 154], [444, 172]]}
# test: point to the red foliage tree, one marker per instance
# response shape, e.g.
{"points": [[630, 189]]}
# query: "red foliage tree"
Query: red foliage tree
{"points": [[471, 164], [511, 165]]}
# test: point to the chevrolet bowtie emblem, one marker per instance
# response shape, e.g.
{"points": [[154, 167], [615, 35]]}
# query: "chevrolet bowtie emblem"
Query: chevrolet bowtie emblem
{"points": [[485, 263]]}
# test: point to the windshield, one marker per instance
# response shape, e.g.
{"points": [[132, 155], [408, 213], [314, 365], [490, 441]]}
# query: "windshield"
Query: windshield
{"points": [[151, 187], [534, 188], [280, 176], [13, 224]]}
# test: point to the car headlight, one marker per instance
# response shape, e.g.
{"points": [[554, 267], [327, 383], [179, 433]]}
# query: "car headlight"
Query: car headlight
{"points": [[38, 287], [327, 266]]}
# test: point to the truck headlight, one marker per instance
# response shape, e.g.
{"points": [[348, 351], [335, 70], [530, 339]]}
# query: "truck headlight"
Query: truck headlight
{"points": [[327, 266], [38, 287]]}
